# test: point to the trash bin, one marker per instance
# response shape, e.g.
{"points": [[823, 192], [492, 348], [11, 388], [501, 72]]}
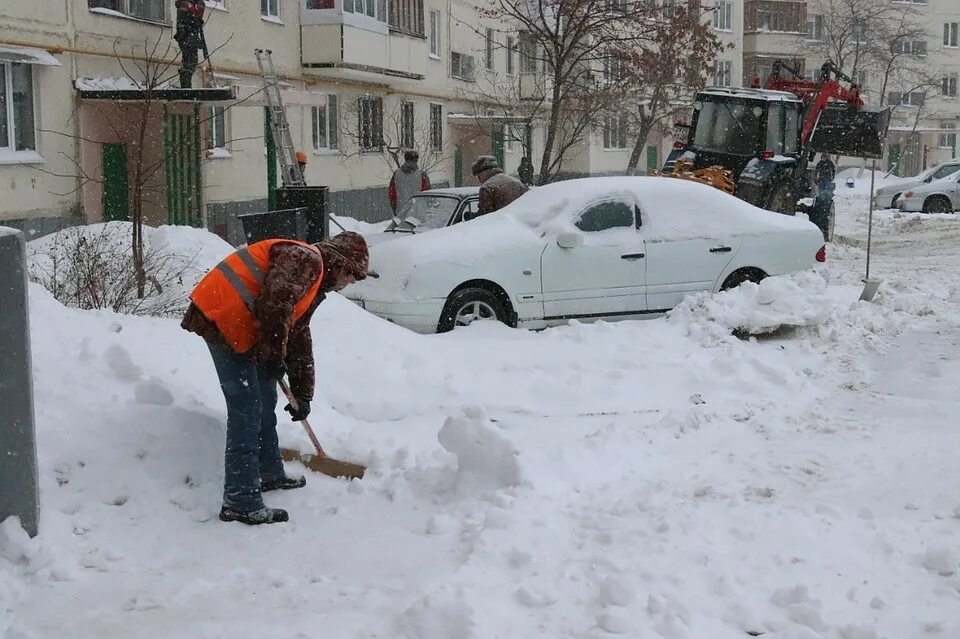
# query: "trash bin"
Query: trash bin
{"points": [[288, 224], [314, 200]]}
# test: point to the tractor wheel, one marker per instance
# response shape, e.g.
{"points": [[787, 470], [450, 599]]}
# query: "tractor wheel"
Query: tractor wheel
{"points": [[782, 199]]}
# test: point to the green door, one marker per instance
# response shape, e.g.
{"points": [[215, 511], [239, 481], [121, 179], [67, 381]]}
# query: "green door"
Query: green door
{"points": [[893, 160], [458, 166], [182, 150], [497, 146], [652, 163], [116, 189]]}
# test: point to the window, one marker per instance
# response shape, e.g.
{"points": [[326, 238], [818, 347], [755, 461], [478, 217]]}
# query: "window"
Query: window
{"points": [[528, 53], [406, 125], [435, 33], [461, 66], [723, 75], [947, 141], [270, 9], [723, 16], [814, 27], [915, 98], [948, 86], [436, 127], [617, 6], [216, 128], [951, 34], [370, 114], [613, 67], [376, 9], [489, 50], [860, 33], [775, 16], [510, 46], [17, 130], [153, 10], [910, 47], [406, 16], [320, 4], [783, 129], [325, 119], [615, 131], [606, 215]]}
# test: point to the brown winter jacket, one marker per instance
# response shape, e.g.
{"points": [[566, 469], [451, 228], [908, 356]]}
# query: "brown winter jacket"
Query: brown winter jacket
{"points": [[291, 273], [499, 191]]}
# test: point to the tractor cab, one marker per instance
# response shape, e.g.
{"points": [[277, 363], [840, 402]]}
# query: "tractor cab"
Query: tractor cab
{"points": [[731, 127]]}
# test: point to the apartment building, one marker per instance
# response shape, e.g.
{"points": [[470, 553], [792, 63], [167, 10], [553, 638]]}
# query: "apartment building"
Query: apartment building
{"points": [[362, 80]]}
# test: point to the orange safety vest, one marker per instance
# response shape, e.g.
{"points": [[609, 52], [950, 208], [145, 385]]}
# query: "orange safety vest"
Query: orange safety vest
{"points": [[226, 294]]}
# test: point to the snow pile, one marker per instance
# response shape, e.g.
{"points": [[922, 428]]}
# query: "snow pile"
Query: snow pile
{"points": [[365, 229], [90, 266], [790, 301], [486, 459]]}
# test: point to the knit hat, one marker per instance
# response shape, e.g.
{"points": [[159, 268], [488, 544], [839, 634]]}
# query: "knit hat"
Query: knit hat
{"points": [[346, 252], [484, 163]]}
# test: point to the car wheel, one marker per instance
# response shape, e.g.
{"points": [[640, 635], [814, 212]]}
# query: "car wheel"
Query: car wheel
{"points": [[470, 305], [895, 202], [937, 205], [742, 275], [782, 200]]}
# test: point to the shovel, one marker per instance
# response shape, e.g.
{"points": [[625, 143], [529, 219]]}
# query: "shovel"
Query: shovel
{"points": [[320, 463]]}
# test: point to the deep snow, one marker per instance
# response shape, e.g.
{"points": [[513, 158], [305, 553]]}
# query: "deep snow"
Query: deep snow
{"points": [[642, 479]]}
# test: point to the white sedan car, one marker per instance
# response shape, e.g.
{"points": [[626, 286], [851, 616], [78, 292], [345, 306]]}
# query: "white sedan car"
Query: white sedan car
{"points": [[939, 196], [595, 248], [891, 188]]}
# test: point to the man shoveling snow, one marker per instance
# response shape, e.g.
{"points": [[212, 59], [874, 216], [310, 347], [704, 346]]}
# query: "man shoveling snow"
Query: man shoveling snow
{"points": [[254, 309]]}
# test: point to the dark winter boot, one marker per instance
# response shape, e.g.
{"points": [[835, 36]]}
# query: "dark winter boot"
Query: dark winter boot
{"points": [[284, 483], [262, 516]]}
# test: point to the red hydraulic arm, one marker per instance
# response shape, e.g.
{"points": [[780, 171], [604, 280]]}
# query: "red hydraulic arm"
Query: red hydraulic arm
{"points": [[816, 95]]}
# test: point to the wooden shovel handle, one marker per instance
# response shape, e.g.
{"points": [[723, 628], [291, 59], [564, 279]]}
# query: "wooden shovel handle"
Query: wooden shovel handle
{"points": [[306, 425]]}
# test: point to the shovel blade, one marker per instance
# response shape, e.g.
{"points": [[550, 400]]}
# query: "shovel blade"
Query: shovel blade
{"points": [[869, 290], [329, 466]]}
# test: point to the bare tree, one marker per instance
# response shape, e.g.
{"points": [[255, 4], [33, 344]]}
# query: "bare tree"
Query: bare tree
{"points": [[665, 71], [566, 52]]}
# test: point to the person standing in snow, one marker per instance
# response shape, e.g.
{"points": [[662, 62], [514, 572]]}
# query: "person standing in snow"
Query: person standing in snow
{"points": [[253, 310], [189, 37], [525, 171], [407, 181], [497, 189]]}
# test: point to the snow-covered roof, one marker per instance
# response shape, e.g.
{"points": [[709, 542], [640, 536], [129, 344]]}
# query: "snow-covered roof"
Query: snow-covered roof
{"points": [[459, 191], [751, 94], [27, 55], [111, 84]]}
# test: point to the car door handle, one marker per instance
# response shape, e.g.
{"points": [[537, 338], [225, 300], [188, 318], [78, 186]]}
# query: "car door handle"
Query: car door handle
{"points": [[632, 256], [721, 249]]}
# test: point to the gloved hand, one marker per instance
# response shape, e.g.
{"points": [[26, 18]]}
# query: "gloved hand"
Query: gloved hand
{"points": [[299, 413], [275, 369]]}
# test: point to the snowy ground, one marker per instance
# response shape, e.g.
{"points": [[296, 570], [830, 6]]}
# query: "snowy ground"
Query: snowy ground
{"points": [[642, 479]]}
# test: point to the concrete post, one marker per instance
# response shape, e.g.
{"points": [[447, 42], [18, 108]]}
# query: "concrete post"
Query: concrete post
{"points": [[18, 450]]}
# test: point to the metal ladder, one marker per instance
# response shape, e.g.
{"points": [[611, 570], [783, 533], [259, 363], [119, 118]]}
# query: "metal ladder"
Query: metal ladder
{"points": [[280, 127]]}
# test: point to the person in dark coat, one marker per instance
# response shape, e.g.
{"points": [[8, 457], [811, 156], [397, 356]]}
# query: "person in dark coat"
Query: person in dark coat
{"points": [[189, 37], [257, 333], [823, 175], [407, 181], [497, 189], [525, 171]]}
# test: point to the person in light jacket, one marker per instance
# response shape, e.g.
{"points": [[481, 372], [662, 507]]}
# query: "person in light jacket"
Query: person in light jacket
{"points": [[407, 181]]}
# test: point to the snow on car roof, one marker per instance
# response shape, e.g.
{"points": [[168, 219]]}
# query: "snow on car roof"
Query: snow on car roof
{"points": [[753, 94]]}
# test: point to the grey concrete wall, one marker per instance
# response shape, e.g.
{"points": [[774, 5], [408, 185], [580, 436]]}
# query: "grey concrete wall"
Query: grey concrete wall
{"points": [[18, 451], [36, 227]]}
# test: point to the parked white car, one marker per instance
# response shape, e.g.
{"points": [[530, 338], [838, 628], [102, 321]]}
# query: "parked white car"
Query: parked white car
{"points": [[939, 196], [595, 248], [891, 188]]}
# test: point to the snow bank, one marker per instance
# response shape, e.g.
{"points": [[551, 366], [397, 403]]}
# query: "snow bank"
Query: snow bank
{"points": [[365, 229], [90, 266], [793, 301]]}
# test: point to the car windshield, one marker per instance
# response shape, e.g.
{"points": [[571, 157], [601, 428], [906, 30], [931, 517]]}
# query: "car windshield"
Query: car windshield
{"points": [[431, 211], [728, 127]]}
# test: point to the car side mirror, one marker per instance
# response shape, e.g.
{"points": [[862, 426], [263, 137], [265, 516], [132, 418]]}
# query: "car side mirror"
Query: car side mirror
{"points": [[569, 240]]}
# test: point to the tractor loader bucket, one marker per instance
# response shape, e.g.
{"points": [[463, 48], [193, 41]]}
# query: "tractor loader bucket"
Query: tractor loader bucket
{"points": [[844, 130]]}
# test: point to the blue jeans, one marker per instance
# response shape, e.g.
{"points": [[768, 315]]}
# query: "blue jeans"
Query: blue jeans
{"points": [[253, 451]]}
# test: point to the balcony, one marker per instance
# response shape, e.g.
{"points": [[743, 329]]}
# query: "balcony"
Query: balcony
{"points": [[351, 38]]}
